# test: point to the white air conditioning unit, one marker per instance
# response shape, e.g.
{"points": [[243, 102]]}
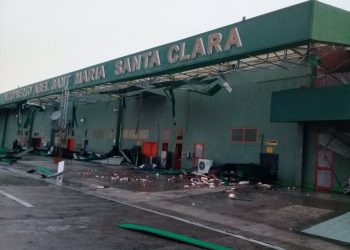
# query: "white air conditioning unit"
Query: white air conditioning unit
{"points": [[204, 165]]}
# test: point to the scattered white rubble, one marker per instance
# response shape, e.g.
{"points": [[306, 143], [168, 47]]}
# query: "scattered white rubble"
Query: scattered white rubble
{"points": [[124, 179], [243, 183], [264, 186], [232, 195]]}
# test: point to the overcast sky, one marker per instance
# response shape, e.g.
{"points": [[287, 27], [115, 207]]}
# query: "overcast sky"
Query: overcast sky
{"points": [[41, 39]]}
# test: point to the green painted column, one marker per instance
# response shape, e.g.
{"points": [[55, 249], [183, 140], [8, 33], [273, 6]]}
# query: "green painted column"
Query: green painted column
{"points": [[30, 132], [119, 124], [298, 178], [5, 128]]}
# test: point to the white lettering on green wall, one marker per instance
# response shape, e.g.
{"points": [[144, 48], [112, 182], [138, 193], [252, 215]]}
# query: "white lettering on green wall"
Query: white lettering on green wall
{"points": [[183, 56], [214, 41], [209, 47], [172, 55], [177, 52], [90, 74], [60, 82], [233, 39], [19, 93], [139, 62], [41, 87], [155, 60], [198, 48]]}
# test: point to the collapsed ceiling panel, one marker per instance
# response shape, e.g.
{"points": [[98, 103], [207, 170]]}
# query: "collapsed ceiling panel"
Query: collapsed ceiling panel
{"points": [[200, 80]]}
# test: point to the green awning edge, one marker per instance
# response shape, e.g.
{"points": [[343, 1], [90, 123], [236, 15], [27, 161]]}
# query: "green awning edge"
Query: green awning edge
{"points": [[311, 104]]}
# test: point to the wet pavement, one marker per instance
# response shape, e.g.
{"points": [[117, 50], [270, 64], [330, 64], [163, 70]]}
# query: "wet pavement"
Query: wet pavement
{"points": [[63, 218], [82, 208]]}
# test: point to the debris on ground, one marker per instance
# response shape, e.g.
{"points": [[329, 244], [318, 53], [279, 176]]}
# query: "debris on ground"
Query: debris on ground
{"points": [[154, 169], [243, 183], [263, 185], [8, 157], [173, 236], [125, 179], [147, 166], [232, 194], [8, 160], [150, 174], [205, 181], [24, 152], [125, 157], [115, 160], [47, 172]]}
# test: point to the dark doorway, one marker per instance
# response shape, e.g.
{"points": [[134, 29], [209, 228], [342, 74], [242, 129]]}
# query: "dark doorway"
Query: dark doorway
{"points": [[165, 146], [177, 156]]}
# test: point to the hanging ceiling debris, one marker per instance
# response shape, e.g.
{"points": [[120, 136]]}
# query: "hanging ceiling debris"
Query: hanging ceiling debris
{"points": [[205, 80]]}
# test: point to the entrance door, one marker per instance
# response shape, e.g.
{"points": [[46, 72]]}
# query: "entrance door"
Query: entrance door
{"points": [[324, 169], [178, 155], [179, 137], [326, 163]]}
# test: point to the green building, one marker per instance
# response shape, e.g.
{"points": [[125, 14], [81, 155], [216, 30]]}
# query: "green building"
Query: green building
{"points": [[271, 88]]}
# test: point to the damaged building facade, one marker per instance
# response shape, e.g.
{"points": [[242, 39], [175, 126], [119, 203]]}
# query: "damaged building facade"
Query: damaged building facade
{"points": [[271, 90]]}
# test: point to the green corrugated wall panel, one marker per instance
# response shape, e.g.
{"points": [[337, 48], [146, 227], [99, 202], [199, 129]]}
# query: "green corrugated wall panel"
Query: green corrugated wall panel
{"points": [[101, 123], [42, 124], [209, 120], [11, 129], [311, 104], [330, 24]]}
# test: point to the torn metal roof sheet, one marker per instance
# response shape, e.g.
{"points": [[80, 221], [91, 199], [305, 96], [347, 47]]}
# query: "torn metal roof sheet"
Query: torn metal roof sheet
{"points": [[265, 41]]}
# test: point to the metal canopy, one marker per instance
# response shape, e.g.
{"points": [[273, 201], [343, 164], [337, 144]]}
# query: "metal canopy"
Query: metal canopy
{"points": [[197, 80], [276, 39]]}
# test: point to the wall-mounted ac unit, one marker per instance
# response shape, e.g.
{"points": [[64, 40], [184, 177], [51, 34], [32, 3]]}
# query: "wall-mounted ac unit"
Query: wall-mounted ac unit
{"points": [[204, 165]]}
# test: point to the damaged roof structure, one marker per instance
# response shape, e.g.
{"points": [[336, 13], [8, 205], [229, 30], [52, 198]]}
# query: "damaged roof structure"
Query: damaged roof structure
{"points": [[271, 90]]}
